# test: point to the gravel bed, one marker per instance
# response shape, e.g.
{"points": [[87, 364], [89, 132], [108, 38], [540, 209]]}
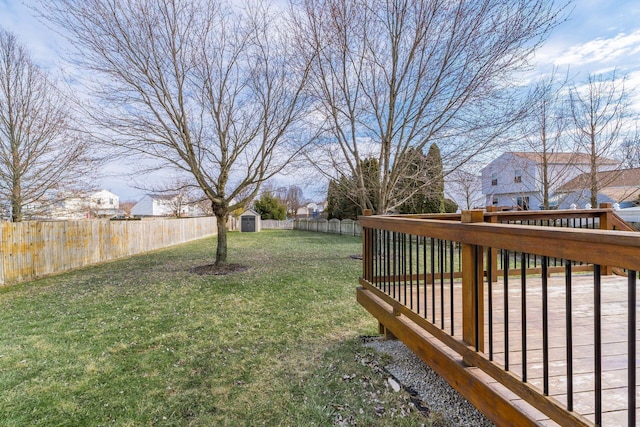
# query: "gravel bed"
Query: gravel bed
{"points": [[435, 393]]}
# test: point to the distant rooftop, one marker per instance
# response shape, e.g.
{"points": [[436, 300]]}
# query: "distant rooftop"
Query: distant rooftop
{"points": [[621, 178], [563, 158]]}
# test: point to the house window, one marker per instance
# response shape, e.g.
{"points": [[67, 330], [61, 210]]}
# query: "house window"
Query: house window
{"points": [[518, 176], [494, 178], [110, 201], [494, 201], [523, 203], [99, 201]]}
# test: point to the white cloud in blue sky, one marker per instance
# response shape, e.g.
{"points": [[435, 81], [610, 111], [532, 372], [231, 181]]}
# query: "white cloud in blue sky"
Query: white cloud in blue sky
{"points": [[620, 48], [598, 35]]}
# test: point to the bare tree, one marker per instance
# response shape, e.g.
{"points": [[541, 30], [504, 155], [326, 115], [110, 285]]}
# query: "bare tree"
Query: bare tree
{"points": [[545, 138], [41, 157], [179, 194], [466, 188], [126, 207], [210, 88], [294, 200], [599, 114], [393, 75], [630, 149]]}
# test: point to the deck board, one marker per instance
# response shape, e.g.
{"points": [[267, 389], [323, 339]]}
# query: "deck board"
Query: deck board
{"points": [[614, 335]]}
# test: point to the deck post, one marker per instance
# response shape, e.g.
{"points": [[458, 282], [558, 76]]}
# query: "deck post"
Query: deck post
{"points": [[367, 250], [473, 287], [494, 252], [606, 223]]}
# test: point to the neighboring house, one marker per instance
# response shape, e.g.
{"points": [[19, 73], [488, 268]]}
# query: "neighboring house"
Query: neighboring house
{"points": [[514, 179], [104, 204], [34, 211], [311, 210], [101, 204], [616, 186], [165, 205]]}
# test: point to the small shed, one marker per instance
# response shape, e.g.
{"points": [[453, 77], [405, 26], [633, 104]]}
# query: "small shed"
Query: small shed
{"points": [[250, 221]]}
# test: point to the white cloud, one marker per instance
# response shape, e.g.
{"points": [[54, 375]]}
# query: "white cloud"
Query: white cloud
{"points": [[633, 83], [601, 50]]}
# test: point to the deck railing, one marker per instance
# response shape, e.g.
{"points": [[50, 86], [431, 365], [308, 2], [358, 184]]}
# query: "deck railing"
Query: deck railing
{"points": [[547, 315]]}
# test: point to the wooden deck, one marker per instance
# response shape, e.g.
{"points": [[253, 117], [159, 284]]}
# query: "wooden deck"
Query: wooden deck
{"points": [[614, 338]]}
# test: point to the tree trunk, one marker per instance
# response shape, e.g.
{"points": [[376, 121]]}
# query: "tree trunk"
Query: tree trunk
{"points": [[16, 212], [16, 205], [222, 215], [594, 170]]}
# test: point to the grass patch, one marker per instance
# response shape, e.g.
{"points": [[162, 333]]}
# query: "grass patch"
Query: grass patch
{"points": [[144, 341]]}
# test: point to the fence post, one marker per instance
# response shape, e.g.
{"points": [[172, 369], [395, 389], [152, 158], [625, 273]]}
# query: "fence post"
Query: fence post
{"points": [[473, 287], [606, 223]]}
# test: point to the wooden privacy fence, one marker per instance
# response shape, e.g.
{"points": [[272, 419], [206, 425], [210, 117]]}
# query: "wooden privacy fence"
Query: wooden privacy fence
{"points": [[335, 226], [32, 249], [272, 224]]}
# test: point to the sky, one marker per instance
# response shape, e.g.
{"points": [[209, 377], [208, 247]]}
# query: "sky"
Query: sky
{"points": [[598, 36]]}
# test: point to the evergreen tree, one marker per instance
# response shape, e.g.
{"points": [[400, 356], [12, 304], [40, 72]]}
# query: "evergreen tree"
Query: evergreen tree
{"points": [[435, 197], [425, 175], [340, 196], [338, 204], [450, 206], [269, 207]]}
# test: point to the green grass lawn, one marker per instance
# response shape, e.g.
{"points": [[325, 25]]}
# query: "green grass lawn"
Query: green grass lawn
{"points": [[143, 341]]}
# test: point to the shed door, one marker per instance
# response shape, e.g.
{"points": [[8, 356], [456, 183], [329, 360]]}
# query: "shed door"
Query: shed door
{"points": [[248, 223]]}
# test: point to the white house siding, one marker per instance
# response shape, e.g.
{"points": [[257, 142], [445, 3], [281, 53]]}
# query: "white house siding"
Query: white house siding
{"points": [[102, 203], [507, 191], [105, 200], [144, 207], [151, 205]]}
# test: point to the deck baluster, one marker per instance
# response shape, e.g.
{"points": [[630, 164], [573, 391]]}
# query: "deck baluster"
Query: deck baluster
{"points": [[433, 280], [506, 308], [490, 301], [451, 278], [545, 325], [424, 265], [523, 299], [631, 341], [569, 326], [441, 244], [597, 313]]}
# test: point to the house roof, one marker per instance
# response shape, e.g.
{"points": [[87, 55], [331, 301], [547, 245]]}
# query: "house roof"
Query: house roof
{"points": [[162, 196], [563, 158], [609, 180], [103, 192], [621, 194]]}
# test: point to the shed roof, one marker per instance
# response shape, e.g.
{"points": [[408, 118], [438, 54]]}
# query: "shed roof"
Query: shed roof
{"points": [[249, 212]]}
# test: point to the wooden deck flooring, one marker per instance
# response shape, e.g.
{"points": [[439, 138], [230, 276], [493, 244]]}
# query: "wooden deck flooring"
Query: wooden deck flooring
{"points": [[614, 336]]}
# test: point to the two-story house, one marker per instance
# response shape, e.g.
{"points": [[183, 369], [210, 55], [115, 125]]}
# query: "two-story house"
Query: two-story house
{"points": [[515, 180], [100, 204], [166, 205], [311, 210]]}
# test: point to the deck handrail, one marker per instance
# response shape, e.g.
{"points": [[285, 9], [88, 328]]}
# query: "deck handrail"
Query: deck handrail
{"points": [[480, 234], [620, 249]]}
